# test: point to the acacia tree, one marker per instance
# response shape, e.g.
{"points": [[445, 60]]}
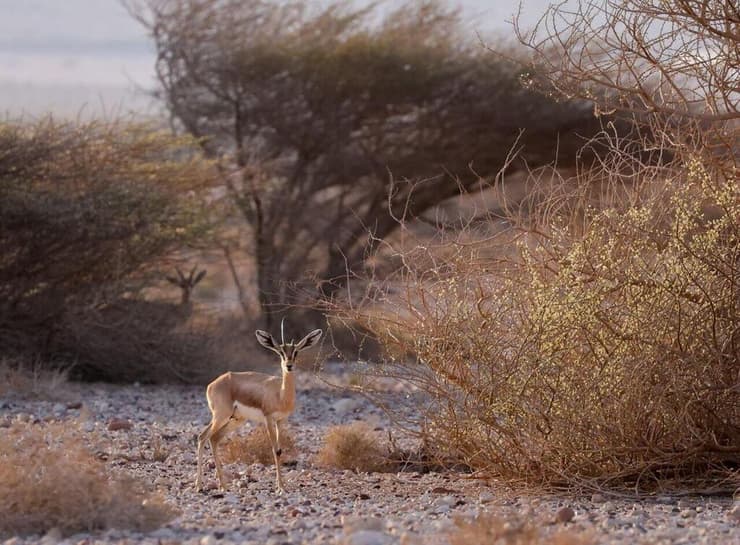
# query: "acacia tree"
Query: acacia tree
{"points": [[315, 116]]}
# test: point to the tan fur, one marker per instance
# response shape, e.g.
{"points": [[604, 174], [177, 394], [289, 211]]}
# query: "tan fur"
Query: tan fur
{"points": [[234, 394]]}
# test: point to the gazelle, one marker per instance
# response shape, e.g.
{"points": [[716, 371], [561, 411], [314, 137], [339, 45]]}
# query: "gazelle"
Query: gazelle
{"points": [[186, 283], [234, 398]]}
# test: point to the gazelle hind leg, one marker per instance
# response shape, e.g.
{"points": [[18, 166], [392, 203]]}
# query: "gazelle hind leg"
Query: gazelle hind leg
{"points": [[216, 438], [207, 436], [203, 436]]}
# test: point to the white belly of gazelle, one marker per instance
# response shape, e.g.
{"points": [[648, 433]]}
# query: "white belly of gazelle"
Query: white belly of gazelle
{"points": [[245, 412]]}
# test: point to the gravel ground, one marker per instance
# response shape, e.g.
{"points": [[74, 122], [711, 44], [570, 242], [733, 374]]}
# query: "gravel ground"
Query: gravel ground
{"points": [[336, 506]]}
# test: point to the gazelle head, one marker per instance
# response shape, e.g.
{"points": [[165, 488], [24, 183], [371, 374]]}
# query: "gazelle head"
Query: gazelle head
{"points": [[287, 351], [186, 283]]}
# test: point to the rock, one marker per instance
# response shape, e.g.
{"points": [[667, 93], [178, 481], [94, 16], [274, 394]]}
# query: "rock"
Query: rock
{"points": [[368, 537], [346, 405], [442, 490], [598, 498], [208, 540], [116, 424], [351, 525], [163, 533], [74, 405], [447, 500], [88, 427], [733, 515], [564, 514], [486, 497], [52, 537]]}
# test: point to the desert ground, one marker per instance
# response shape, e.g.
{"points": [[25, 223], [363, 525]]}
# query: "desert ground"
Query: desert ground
{"points": [[337, 506]]}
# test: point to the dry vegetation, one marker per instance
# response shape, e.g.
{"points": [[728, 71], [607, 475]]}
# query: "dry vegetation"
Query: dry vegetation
{"points": [[590, 338], [255, 447], [489, 530], [32, 381], [49, 479], [356, 447], [90, 214]]}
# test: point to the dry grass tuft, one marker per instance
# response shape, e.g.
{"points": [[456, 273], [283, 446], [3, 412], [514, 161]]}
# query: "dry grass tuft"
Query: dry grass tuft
{"points": [[49, 479], [489, 530], [354, 446], [255, 447], [33, 381]]}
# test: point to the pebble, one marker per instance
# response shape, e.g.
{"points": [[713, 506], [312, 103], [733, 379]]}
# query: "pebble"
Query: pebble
{"points": [[564, 514], [116, 424], [486, 497], [368, 537]]}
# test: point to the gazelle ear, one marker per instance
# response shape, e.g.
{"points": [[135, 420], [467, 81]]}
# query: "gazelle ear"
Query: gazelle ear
{"points": [[309, 340], [266, 340]]}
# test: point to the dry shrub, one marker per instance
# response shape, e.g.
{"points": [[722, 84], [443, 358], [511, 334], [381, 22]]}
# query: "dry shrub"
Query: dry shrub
{"points": [[255, 447], [33, 381], [89, 213], [591, 335], [489, 530], [354, 446], [602, 347], [49, 479]]}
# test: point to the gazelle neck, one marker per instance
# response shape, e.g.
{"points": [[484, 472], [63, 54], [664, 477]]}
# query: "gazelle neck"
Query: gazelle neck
{"points": [[287, 390]]}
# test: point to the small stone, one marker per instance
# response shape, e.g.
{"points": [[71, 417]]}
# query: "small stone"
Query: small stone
{"points": [[564, 514], [53, 536], [116, 424], [74, 405], [733, 515], [368, 537], [351, 525], [208, 540], [346, 405], [486, 497], [609, 507], [687, 513], [598, 498], [442, 490]]}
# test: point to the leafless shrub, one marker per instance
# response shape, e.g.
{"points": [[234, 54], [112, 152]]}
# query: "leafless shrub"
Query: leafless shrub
{"points": [[354, 446], [255, 447], [606, 353], [591, 337], [48, 479]]}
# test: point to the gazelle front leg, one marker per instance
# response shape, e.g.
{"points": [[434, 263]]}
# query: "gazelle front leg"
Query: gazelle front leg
{"points": [[274, 434]]}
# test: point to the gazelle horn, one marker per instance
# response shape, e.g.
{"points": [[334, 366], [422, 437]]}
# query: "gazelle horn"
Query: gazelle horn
{"points": [[282, 330]]}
